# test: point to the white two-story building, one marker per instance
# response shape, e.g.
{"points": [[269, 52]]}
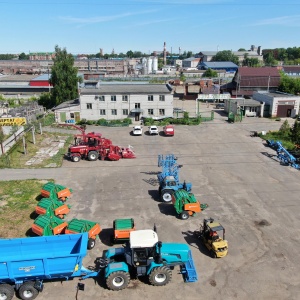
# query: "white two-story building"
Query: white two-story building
{"points": [[119, 101]]}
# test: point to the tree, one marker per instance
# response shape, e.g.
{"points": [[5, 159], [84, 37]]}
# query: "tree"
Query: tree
{"points": [[226, 55], [46, 101], [242, 49], [63, 77], [285, 129], [23, 56], [269, 59], [295, 133], [129, 54], [289, 85], [210, 73]]}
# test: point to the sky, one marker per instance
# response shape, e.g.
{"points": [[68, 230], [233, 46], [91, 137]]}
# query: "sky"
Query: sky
{"points": [[85, 26]]}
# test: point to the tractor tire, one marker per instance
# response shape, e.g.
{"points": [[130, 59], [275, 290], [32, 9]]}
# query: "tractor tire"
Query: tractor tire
{"points": [[27, 291], [91, 243], [166, 195], [76, 158], [6, 291], [160, 276], [212, 254], [184, 215], [117, 281], [93, 155]]}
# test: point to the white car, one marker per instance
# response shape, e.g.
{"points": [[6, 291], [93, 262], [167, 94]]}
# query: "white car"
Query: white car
{"points": [[153, 130], [137, 130]]}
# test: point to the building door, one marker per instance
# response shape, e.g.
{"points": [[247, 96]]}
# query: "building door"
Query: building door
{"points": [[77, 116], [63, 117], [137, 106], [284, 111]]}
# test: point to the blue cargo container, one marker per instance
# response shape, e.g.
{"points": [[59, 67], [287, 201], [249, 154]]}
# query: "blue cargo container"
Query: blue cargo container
{"points": [[26, 262]]}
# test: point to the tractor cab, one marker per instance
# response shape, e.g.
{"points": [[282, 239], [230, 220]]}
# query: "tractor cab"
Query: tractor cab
{"points": [[213, 235], [143, 247], [170, 181]]}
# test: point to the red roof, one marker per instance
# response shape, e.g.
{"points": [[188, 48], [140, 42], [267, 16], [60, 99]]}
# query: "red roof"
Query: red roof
{"points": [[263, 71]]}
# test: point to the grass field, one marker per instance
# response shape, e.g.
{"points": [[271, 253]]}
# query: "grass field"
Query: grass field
{"points": [[18, 199]]}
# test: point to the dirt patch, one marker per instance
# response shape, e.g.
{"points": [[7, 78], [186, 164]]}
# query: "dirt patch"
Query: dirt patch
{"points": [[262, 223], [212, 282]]}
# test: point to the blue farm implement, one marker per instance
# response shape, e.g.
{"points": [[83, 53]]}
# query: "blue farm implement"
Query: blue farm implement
{"points": [[168, 179]]}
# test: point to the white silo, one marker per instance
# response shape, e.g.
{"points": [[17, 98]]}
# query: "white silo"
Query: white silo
{"points": [[155, 64], [144, 65], [149, 65]]}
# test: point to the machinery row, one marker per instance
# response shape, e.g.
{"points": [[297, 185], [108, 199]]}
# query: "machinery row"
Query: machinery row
{"points": [[58, 251]]}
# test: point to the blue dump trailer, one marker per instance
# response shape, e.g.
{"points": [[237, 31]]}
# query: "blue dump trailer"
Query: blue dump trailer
{"points": [[25, 263]]}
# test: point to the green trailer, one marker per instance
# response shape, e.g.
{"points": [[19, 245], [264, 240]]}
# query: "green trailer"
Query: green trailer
{"points": [[55, 191], [122, 229], [186, 204], [80, 226], [52, 207], [48, 225]]}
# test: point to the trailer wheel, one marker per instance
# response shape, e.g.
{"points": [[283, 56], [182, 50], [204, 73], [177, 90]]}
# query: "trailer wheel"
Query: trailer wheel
{"points": [[93, 155], [76, 158], [166, 195], [184, 215], [117, 281], [91, 243], [27, 291], [160, 276], [6, 292]]}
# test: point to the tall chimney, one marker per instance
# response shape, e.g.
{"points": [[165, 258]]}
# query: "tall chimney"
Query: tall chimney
{"points": [[165, 54]]}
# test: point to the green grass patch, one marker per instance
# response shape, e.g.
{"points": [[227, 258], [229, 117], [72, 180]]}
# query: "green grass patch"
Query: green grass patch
{"points": [[18, 199], [16, 158], [278, 137]]}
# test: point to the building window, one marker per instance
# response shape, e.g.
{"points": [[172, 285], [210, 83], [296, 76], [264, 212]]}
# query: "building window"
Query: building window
{"points": [[72, 115], [114, 112], [150, 97], [150, 112], [125, 98], [125, 112], [161, 97], [101, 98], [113, 98], [89, 106], [102, 112], [161, 112]]}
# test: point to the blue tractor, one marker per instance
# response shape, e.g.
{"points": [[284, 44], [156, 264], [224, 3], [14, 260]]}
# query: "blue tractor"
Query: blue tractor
{"points": [[169, 177], [144, 255]]}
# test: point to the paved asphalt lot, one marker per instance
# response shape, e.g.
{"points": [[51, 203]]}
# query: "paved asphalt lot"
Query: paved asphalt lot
{"points": [[249, 192]]}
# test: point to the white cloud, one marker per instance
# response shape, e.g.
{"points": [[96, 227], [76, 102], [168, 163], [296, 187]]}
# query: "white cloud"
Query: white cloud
{"points": [[292, 21], [101, 19]]}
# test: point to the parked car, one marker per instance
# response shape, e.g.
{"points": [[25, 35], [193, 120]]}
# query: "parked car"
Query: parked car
{"points": [[220, 105], [137, 130], [153, 130], [169, 130]]}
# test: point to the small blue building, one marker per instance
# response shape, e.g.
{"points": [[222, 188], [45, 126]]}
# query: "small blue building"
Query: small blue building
{"points": [[228, 66]]}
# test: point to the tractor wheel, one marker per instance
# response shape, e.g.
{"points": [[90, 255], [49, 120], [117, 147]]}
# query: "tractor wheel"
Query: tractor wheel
{"points": [[75, 158], [160, 276], [166, 195], [184, 215], [93, 155], [117, 281], [27, 291], [91, 243], [213, 254], [6, 292]]}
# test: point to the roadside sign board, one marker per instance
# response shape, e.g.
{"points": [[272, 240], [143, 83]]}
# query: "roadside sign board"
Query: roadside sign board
{"points": [[12, 121]]}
